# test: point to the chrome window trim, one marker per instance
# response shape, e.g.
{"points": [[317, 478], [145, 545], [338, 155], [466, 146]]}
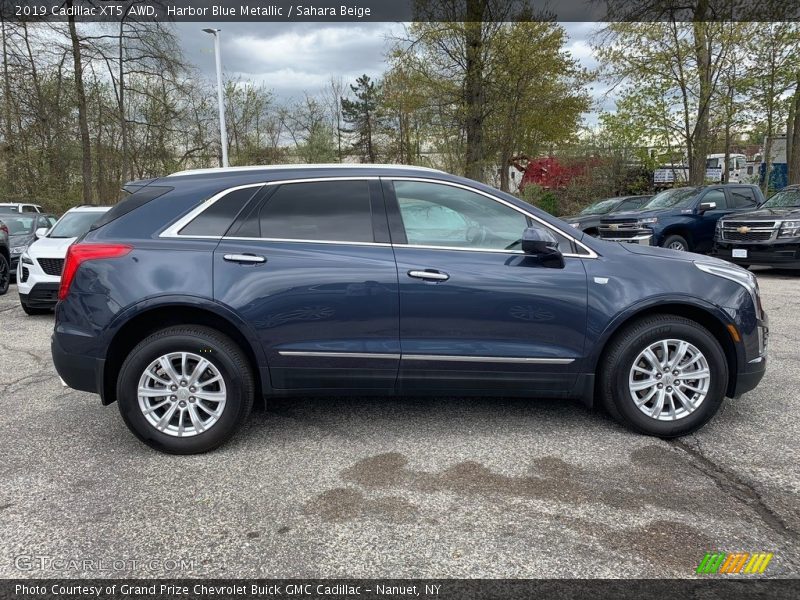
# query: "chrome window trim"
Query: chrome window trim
{"points": [[172, 230], [591, 253], [445, 357]]}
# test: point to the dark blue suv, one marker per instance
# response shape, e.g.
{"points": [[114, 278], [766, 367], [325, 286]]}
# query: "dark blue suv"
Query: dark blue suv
{"points": [[206, 290]]}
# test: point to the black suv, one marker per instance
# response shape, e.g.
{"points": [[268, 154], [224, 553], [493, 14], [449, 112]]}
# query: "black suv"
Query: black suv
{"points": [[767, 236]]}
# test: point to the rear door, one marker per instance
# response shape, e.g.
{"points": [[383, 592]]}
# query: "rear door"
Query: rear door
{"points": [[311, 269]]}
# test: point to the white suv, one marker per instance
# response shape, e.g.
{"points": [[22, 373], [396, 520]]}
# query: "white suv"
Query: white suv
{"points": [[39, 268]]}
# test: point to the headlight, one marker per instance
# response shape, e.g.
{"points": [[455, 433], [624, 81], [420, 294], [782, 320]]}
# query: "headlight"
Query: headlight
{"points": [[738, 275], [789, 229], [18, 250], [648, 221], [575, 225]]}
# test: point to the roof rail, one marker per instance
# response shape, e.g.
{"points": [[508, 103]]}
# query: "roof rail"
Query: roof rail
{"points": [[301, 166]]}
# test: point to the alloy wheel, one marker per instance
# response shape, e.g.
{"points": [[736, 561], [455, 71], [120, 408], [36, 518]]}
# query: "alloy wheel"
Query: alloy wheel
{"points": [[677, 246], [182, 394], [669, 379]]}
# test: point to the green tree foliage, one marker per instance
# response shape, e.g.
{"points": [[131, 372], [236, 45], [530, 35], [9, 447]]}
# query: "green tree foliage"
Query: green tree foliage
{"points": [[363, 116]]}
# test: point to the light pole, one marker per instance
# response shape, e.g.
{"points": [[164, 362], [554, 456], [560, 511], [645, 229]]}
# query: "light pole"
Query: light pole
{"points": [[223, 133]]}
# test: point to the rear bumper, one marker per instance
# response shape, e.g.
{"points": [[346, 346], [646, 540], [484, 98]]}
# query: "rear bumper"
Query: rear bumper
{"points": [[773, 255], [78, 371], [41, 295]]}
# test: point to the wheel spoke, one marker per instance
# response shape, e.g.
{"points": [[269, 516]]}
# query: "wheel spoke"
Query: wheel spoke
{"points": [[658, 405], [680, 352], [202, 384], [645, 399], [650, 356], [197, 422], [166, 418], [699, 374], [202, 365], [180, 422], [211, 396], [155, 377], [184, 371], [684, 400], [153, 392], [643, 384], [166, 365], [154, 408]]}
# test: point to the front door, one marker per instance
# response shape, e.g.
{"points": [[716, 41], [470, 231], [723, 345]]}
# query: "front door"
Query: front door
{"points": [[476, 314], [311, 269]]}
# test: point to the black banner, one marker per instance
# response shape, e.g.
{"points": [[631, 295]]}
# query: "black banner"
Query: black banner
{"points": [[399, 10], [351, 589]]}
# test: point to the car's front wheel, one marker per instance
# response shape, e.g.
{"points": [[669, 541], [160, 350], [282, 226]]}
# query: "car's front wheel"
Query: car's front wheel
{"points": [[185, 389], [677, 242], [664, 375]]}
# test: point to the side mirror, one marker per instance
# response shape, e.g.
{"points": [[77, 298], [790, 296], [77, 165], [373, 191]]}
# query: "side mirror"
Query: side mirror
{"points": [[706, 206], [41, 232], [542, 245]]}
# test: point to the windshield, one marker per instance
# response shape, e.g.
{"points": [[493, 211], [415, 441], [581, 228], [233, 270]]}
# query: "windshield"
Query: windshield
{"points": [[19, 225], [674, 198], [784, 199], [600, 208], [74, 224]]}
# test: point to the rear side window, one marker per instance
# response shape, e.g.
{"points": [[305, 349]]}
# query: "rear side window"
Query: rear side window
{"points": [[319, 211], [131, 203], [743, 198], [217, 218]]}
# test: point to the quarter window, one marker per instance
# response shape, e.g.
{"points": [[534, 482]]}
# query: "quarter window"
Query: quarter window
{"points": [[217, 218], [319, 211]]}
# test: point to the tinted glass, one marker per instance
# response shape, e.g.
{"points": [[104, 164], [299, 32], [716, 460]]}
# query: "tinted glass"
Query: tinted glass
{"points": [[74, 224], [674, 198], [29, 209], [743, 197], [443, 215], [19, 225], [130, 203], [217, 218], [600, 208], [784, 199], [716, 196], [324, 211]]}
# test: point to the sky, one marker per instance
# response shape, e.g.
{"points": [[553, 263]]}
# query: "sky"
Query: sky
{"points": [[294, 58]]}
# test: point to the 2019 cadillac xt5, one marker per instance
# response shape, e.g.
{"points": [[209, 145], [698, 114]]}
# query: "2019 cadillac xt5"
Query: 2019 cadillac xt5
{"points": [[205, 290]]}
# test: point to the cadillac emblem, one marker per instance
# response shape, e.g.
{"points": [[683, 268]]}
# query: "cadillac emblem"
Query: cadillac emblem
{"points": [[743, 229]]}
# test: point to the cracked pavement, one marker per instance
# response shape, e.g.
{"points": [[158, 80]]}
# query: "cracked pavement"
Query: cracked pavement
{"points": [[407, 487]]}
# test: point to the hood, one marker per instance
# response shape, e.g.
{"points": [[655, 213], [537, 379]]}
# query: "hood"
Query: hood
{"points": [[673, 254], [22, 239], [50, 247], [767, 214]]}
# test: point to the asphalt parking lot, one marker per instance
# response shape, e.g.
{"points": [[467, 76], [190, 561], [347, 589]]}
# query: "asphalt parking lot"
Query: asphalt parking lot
{"points": [[444, 488]]}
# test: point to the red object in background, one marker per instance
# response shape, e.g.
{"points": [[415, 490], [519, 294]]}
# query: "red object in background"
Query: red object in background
{"points": [[3, 227], [549, 172]]}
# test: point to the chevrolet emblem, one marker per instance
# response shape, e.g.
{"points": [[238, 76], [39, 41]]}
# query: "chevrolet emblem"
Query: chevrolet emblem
{"points": [[613, 226], [743, 229]]}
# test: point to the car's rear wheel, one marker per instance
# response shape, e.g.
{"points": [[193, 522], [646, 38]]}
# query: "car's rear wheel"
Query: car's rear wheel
{"points": [[664, 375], [185, 389], [677, 242], [5, 275]]}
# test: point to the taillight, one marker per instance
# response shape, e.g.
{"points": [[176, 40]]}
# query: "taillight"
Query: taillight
{"points": [[77, 254]]}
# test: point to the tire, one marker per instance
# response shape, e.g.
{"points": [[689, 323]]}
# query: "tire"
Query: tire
{"points": [[617, 370], [235, 386], [677, 240], [34, 311], [5, 275]]}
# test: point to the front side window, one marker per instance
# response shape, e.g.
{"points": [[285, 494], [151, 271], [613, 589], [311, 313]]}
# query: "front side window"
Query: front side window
{"points": [[717, 197], [743, 198], [319, 211], [435, 214]]}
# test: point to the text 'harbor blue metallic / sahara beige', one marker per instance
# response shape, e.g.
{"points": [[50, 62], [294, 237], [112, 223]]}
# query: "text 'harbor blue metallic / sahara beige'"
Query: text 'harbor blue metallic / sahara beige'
{"points": [[206, 290]]}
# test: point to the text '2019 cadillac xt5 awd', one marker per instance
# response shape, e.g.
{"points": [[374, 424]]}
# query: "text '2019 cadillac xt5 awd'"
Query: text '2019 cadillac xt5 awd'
{"points": [[205, 290]]}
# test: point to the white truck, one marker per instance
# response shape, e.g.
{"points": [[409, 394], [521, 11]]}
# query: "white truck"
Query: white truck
{"points": [[672, 175]]}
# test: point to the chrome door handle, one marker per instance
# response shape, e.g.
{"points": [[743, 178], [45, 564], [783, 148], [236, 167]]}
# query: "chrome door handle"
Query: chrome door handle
{"points": [[429, 275], [244, 258]]}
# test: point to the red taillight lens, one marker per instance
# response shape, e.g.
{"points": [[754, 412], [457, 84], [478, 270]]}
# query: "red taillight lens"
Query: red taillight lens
{"points": [[77, 254]]}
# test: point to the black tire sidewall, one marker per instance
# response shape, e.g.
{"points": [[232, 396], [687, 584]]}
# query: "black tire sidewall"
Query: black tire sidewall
{"points": [[4, 287], [670, 238], [212, 350], [638, 340]]}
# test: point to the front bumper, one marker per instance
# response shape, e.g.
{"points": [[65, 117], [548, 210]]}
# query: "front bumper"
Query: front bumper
{"points": [[785, 255], [78, 371], [40, 295], [645, 239]]}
